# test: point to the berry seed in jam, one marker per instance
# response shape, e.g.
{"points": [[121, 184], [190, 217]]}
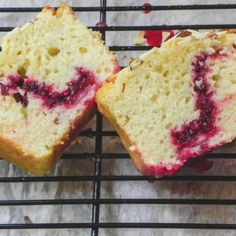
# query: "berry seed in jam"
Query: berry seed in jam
{"points": [[198, 131], [20, 88]]}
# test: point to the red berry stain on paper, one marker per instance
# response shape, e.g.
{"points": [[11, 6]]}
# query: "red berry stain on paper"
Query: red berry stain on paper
{"points": [[101, 24], [200, 165], [153, 38], [146, 5], [157, 37]]}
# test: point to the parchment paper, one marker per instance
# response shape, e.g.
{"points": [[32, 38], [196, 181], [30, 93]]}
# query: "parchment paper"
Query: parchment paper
{"points": [[126, 189]]}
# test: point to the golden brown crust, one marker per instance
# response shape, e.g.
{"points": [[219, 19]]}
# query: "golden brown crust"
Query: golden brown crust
{"points": [[49, 10], [134, 153], [11, 152], [212, 34], [63, 7], [71, 134], [137, 157], [230, 31], [59, 12], [42, 165]]}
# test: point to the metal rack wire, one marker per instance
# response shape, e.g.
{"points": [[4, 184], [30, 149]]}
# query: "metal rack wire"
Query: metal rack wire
{"points": [[96, 201]]}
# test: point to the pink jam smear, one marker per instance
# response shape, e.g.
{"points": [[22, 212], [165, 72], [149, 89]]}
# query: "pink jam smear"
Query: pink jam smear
{"points": [[77, 88], [196, 133]]}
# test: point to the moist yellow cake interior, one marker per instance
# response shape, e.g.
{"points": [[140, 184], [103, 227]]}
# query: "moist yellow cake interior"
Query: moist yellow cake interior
{"points": [[48, 50], [155, 94]]}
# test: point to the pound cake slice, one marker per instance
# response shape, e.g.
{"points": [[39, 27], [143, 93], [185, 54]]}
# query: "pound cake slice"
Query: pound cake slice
{"points": [[50, 70], [175, 103]]}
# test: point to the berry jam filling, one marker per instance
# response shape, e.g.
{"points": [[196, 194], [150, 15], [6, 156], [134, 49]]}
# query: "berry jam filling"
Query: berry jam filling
{"points": [[20, 88], [196, 133]]}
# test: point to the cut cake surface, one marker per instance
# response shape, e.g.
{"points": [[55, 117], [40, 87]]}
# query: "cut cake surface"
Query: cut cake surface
{"points": [[50, 70], [176, 102]]}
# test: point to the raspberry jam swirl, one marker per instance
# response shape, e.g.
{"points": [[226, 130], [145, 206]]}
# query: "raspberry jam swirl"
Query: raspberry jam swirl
{"points": [[197, 132], [76, 89]]}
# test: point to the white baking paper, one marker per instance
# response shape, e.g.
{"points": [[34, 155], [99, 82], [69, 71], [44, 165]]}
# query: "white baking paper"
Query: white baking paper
{"points": [[120, 189]]}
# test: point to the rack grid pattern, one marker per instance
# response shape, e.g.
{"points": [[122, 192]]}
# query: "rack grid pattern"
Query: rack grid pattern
{"points": [[99, 156]]}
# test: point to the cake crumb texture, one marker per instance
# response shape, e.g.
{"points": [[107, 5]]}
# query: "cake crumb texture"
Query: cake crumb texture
{"points": [[176, 102], [50, 70]]}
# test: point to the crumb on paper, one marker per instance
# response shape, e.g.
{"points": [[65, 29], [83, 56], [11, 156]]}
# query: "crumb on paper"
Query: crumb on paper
{"points": [[27, 220]]}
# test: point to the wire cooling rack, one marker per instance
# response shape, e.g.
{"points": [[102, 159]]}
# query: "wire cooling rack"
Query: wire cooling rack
{"points": [[98, 156]]}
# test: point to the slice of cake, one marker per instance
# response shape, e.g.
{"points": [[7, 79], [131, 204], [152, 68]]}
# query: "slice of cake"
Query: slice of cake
{"points": [[50, 70], [175, 103]]}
